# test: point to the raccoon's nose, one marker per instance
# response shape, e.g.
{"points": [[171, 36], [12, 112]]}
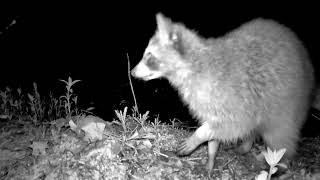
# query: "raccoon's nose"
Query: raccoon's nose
{"points": [[133, 72]]}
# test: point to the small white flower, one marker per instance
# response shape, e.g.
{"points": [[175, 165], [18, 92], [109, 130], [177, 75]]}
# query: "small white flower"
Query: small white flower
{"points": [[273, 157]]}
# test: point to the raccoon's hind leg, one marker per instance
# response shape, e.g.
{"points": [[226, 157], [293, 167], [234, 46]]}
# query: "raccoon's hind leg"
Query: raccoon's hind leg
{"points": [[279, 137], [246, 145]]}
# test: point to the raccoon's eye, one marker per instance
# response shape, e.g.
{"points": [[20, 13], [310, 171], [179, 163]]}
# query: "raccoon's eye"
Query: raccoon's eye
{"points": [[152, 62]]}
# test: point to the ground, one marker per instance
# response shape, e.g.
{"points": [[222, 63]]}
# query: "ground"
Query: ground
{"points": [[145, 150]]}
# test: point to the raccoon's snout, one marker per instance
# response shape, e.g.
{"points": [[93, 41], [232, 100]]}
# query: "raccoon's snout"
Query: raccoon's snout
{"points": [[141, 71], [133, 72], [144, 72]]}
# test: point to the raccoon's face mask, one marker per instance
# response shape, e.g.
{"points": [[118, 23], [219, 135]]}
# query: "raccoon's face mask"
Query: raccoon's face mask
{"points": [[163, 54], [158, 61], [148, 68]]}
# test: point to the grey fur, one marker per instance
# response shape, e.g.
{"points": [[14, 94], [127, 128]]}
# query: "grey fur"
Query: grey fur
{"points": [[255, 80]]}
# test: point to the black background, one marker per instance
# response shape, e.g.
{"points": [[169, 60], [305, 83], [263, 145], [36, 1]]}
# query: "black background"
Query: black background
{"points": [[89, 41]]}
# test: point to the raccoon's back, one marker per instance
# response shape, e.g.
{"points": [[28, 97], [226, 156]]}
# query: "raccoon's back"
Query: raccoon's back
{"points": [[273, 59]]}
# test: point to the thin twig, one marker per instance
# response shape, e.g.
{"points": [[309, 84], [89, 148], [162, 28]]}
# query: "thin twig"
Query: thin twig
{"points": [[129, 75]]}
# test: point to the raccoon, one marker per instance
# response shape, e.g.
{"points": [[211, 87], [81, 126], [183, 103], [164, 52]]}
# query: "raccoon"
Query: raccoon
{"points": [[256, 80]]}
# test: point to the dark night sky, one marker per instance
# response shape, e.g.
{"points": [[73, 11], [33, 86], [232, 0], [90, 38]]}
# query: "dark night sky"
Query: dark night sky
{"points": [[90, 41]]}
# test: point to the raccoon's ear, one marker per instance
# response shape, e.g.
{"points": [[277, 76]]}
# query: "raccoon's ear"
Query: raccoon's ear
{"points": [[166, 30]]}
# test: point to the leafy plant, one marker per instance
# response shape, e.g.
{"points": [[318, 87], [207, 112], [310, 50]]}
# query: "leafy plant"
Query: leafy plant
{"points": [[175, 122], [122, 117], [156, 123], [141, 119], [69, 98], [6, 100], [36, 105], [33, 107], [56, 108], [272, 158]]}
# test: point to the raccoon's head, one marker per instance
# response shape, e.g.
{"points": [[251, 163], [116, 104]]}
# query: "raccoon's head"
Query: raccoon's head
{"points": [[166, 53]]}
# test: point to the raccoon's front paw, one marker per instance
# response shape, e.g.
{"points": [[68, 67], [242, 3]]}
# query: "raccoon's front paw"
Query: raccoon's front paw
{"points": [[188, 145]]}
